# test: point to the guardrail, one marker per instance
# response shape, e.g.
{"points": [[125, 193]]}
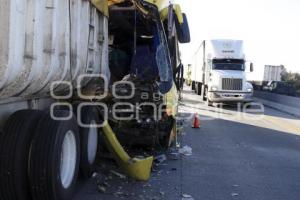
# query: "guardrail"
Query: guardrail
{"points": [[283, 103]]}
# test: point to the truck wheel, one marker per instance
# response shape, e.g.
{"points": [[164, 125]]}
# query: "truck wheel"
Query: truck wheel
{"points": [[205, 94], [89, 141], [193, 85], [14, 153], [245, 105], [54, 160], [196, 88], [210, 103], [199, 87]]}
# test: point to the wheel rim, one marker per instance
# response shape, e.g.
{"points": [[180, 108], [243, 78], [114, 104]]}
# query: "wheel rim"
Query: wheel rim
{"points": [[92, 143], [68, 159]]}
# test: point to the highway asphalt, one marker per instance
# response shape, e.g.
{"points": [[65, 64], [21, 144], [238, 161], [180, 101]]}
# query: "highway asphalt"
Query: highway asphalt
{"points": [[235, 155]]}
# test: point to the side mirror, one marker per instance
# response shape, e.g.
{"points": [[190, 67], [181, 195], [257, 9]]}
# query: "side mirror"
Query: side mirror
{"points": [[251, 67], [183, 30]]}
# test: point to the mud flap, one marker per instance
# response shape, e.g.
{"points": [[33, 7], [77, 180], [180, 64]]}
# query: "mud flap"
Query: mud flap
{"points": [[139, 169]]}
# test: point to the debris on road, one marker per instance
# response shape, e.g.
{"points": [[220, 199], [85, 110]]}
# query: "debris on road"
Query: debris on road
{"points": [[174, 156], [160, 159], [147, 185], [162, 193], [234, 194], [111, 180], [121, 176], [95, 175], [101, 189], [186, 150], [187, 197], [183, 133]]}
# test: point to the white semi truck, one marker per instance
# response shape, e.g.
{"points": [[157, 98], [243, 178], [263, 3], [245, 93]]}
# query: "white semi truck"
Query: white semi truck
{"points": [[219, 72]]}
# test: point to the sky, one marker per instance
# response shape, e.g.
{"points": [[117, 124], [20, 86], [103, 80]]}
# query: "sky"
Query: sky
{"points": [[270, 29]]}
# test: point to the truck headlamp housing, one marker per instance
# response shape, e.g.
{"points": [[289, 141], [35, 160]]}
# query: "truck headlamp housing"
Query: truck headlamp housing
{"points": [[214, 88], [249, 90]]}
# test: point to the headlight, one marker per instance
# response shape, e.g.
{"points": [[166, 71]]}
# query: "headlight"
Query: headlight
{"points": [[214, 88], [249, 90]]}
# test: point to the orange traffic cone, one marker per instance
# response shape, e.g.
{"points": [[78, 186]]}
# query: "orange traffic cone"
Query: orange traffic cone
{"points": [[196, 123]]}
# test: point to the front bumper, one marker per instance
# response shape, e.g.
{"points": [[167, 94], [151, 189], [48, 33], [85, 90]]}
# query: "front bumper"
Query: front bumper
{"points": [[218, 96]]}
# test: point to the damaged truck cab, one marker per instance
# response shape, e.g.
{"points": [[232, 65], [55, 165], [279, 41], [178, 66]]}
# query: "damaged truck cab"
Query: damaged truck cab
{"points": [[143, 59], [66, 67]]}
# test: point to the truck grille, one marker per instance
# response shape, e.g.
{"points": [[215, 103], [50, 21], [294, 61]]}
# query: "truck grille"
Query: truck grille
{"points": [[232, 84]]}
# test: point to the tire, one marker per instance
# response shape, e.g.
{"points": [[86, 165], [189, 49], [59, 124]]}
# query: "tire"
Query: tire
{"points": [[2, 190], [196, 88], [54, 161], [205, 98], [89, 138], [15, 147], [243, 104], [205, 94], [193, 85], [199, 85]]}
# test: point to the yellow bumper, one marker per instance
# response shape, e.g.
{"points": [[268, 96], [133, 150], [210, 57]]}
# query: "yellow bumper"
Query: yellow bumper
{"points": [[139, 169]]}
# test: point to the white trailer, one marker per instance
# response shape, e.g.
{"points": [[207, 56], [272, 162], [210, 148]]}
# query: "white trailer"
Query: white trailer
{"points": [[273, 72], [219, 72], [46, 46]]}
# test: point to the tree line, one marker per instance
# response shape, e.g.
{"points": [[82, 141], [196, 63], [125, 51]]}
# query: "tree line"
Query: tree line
{"points": [[291, 77]]}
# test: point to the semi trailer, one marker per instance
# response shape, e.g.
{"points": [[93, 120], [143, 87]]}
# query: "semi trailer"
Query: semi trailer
{"points": [[273, 72], [219, 72], [72, 69]]}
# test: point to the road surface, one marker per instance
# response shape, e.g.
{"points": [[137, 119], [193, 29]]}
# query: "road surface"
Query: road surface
{"points": [[235, 155]]}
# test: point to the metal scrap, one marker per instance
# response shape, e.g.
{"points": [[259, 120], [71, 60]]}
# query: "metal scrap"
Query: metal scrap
{"points": [[187, 197], [121, 176], [186, 150]]}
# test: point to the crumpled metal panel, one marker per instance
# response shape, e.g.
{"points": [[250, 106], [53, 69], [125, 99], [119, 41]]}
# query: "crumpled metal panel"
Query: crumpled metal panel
{"points": [[101, 5], [161, 4], [112, 2], [42, 41]]}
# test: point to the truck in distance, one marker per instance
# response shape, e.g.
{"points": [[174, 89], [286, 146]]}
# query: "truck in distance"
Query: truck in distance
{"points": [[219, 72]]}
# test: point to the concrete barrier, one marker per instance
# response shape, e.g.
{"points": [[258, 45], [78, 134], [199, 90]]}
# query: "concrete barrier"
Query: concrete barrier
{"points": [[283, 103]]}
